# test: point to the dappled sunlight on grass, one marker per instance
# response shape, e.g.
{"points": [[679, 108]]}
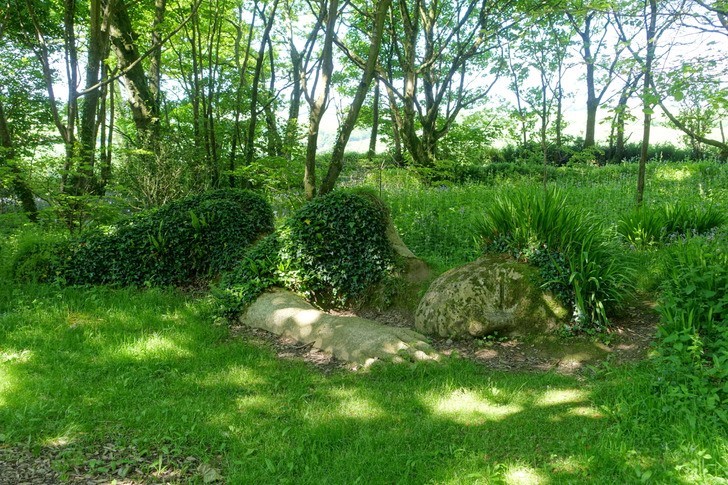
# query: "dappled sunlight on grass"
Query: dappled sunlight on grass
{"points": [[150, 370], [553, 397], [7, 384], [523, 475], [468, 408], [585, 411], [234, 376], [674, 173], [153, 346], [352, 404]]}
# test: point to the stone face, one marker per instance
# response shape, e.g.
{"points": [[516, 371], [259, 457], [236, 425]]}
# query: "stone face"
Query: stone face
{"points": [[492, 294], [351, 339]]}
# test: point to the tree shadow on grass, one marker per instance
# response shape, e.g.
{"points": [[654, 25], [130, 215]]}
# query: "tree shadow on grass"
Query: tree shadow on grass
{"points": [[150, 373]]}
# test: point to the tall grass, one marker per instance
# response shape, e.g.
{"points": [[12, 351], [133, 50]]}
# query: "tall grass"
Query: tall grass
{"points": [[645, 227], [541, 227]]}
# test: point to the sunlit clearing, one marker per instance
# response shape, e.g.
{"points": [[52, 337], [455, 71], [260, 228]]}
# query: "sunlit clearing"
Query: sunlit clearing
{"points": [[352, 405], [523, 475], [673, 174], [254, 403], [76, 319], [466, 407], [154, 346], [554, 397], [58, 441]]}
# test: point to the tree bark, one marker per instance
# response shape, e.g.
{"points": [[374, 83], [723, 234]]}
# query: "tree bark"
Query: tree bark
{"points": [[647, 104], [85, 179], [143, 105], [337, 156], [17, 180], [255, 89], [372, 151], [318, 105], [242, 69]]}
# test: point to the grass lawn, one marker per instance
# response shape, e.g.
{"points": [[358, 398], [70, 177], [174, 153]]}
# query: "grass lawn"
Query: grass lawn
{"points": [[146, 385], [150, 377]]}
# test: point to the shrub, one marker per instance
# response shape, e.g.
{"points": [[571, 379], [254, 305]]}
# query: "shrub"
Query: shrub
{"points": [[332, 249], [37, 258], [194, 237], [576, 256], [337, 245], [259, 269], [692, 344]]}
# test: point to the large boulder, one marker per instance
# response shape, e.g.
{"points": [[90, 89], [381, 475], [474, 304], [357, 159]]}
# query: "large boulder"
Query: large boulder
{"points": [[492, 294]]}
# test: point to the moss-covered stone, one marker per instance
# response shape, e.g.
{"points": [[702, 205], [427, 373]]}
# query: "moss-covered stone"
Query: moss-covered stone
{"points": [[492, 294]]}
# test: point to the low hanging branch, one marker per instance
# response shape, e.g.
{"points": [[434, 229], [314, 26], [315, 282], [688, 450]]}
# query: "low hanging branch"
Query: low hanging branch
{"points": [[721, 146]]}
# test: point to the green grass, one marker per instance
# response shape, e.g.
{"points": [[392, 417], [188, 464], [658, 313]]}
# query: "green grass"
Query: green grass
{"points": [[151, 375], [150, 371]]}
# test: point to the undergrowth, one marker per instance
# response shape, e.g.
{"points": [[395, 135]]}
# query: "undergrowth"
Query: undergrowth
{"points": [[577, 258]]}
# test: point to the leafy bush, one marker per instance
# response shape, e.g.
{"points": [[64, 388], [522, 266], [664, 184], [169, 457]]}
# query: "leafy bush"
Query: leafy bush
{"points": [[576, 256], [186, 239], [332, 249], [692, 341], [645, 227], [338, 244], [259, 269], [37, 257]]}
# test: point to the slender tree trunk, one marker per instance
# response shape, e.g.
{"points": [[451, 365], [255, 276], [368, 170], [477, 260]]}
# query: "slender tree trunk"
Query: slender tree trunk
{"points": [[375, 124], [275, 143], [294, 107], [17, 181], [620, 115], [242, 69], [85, 180], [337, 156], [647, 104], [318, 106], [398, 154], [155, 60], [255, 89]]}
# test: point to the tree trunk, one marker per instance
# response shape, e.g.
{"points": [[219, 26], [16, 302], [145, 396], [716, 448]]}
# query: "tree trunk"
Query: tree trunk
{"points": [[155, 61], [242, 68], [17, 181], [85, 180], [295, 103], [592, 103], [318, 105], [143, 105], [337, 156], [647, 104], [620, 116], [375, 125], [255, 90]]}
